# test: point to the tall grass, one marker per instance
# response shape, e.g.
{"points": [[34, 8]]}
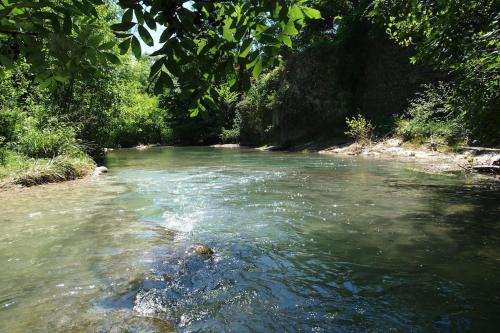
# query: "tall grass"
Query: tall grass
{"points": [[48, 142], [19, 169]]}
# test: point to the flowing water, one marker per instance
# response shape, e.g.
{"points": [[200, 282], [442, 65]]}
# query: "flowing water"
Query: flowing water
{"points": [[302, 243]]}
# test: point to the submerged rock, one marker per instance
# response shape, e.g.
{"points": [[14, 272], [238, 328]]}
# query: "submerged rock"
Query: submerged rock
{"points": [[100, 170], [170, 232], [143, 325], [202, 249]]}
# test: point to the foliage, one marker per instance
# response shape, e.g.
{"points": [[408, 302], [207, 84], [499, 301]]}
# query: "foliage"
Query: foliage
{"points": [[3, 150], [335, 16], [140, 121], [239, 36], [433, 118], [461, 38], [232, 135], [10, 120], [54, 170], [258, 108], [28, 172], [205, 128], [360, 129], [57, 37], [18, 169], [460, 35], [46, 142]]}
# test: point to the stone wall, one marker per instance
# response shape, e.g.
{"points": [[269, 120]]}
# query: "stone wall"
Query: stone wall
{"points": [[328, 82]]}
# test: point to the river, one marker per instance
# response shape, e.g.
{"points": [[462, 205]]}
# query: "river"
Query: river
{"points": [[302, 243]]}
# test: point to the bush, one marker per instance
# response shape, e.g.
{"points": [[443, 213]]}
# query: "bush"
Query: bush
{"points": [[10, 121], [259, 107], [432, 118], [232, 135], [359, 129], [140, 121], [47, 142]]}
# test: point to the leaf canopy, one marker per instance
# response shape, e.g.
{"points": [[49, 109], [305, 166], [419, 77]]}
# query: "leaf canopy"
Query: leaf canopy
{"points": [[203, 41]]}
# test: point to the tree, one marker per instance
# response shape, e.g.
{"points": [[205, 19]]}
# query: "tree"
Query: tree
{"points": [[458, 37], [57, 37], [237, 36]]}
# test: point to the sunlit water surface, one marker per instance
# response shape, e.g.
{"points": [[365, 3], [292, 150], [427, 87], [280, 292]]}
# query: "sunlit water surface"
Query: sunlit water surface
{"points": [[303, 243]]}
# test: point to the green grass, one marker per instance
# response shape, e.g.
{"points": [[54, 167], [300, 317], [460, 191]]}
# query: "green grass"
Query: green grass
{"points": [[20, 170]]}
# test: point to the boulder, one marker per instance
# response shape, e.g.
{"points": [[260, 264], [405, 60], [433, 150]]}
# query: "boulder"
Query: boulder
{"points": [[100, 170]]}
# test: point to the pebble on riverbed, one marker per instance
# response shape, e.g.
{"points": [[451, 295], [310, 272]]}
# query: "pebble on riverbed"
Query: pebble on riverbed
{"points": [[202, 249]]}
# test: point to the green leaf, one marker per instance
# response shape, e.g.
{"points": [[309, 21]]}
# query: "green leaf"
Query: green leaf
{"points": [[128, 15], [257, 68], [107, 46], [165, 35], [146, 36], [290, 29], [295, 13], [164, 81], [139, 16], [124, 26], [150, 21], [194, 112], [312, 13], [112, 58], [287, 41], [156, 67], [136, 47], [226, 30], [201, 46], [245, 48], [124, 46]]}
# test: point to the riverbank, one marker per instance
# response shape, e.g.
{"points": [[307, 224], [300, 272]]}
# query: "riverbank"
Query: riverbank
{"points": [[468, 160], [20, 171]]}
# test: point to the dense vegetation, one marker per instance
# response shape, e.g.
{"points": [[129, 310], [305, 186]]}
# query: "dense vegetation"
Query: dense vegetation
{"points": [[74, 79]]}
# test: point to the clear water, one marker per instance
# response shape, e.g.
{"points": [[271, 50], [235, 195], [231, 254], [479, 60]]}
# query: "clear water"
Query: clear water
{"points": [[303, 243]]}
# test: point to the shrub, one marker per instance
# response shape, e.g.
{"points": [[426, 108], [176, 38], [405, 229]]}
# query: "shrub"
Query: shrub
{"points": [[259, 108], [432, 118], [10, 121], [359, 129], [140, 121], [232, 135], [47, 142]]}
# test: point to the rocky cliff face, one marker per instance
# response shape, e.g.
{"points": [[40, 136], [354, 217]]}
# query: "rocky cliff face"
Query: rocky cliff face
{"points": [[330, 81]]}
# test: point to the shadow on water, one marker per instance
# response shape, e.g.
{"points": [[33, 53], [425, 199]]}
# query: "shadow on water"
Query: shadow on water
{"points": [[453, 278]]}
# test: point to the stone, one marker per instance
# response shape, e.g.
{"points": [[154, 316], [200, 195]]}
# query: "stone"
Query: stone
{"points": [[102, 169], [99, 171], [202, 249]]}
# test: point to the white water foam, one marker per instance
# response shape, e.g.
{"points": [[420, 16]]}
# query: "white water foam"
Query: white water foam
{"points": [[183, 222]]}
